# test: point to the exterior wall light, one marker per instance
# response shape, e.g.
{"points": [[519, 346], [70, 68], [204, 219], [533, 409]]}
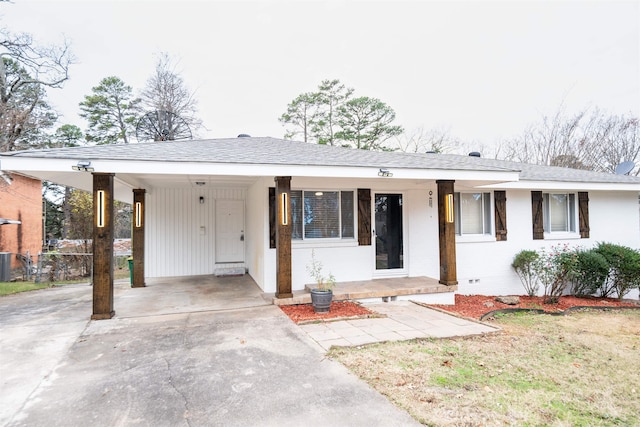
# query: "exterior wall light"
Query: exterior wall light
{"points": [[284, 209], [138, 214], [448, 208], [100, 209], [202, 200], [385, 173], [83, 166]]}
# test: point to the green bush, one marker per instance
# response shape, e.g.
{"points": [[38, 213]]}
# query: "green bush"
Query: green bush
{"points": [[591, 273], [524, 266], [624, 269], [555, 270]]}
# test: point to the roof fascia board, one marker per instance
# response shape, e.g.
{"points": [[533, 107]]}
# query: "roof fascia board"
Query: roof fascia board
{"points": [[567, 185], [237, 169]]}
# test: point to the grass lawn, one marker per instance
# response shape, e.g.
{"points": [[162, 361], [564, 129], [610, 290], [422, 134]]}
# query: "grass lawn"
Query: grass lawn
{"points": [[7, 288], [577, 370]]}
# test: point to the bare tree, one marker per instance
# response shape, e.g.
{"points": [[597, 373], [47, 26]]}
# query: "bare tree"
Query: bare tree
{"points": [[420, 140], [548, 142], [25, 69], [593, 141], [612, 140], [166, 91]]}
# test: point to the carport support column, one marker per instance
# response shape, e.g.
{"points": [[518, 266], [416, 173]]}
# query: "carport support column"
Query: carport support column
{"points": [[137, 237], [283, 237], [102, 246], [447, 233]]}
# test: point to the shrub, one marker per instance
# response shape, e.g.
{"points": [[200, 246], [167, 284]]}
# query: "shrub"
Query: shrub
{"points": [[624, 269], [555, 269], [524, 266], [591, 273]]}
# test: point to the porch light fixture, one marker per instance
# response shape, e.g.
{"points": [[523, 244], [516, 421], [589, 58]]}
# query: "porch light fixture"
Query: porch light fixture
{"points": [[448, 208], [284, 209], [83, 166], [138, 214], [202, 200], [385, 173], [100, 209]]}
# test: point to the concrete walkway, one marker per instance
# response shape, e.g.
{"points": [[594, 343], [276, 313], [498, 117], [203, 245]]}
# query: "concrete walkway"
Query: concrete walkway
{"points": [[405, 320], [188, 354]]}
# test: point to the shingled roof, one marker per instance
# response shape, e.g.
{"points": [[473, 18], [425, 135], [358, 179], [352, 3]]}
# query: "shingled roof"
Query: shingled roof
{"points": [[273, 151]]}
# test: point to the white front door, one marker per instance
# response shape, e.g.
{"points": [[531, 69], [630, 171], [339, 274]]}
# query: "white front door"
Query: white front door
{"points": [[229, 231]]}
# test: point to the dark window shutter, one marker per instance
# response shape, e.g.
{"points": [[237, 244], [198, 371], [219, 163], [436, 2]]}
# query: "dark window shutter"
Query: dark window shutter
{"points": [[536, 211], [364, 216], [272, 217], [583, 214], [500, 199]]}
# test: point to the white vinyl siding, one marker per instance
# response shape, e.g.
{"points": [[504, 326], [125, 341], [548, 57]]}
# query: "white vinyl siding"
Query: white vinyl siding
{"points": [[180, 231]]}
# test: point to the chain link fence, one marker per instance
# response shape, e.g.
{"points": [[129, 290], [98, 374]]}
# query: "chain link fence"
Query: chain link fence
{"points": [[68, 263]]}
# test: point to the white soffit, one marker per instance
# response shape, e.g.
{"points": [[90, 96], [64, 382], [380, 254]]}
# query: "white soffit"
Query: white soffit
{"points": [[148, 169]]}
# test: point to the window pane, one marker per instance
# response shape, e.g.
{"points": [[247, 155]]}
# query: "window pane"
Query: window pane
{"points": [[321, 214], [558, 208], [572, 212], [486, 201], [296, 215], [346, 206], [471, 213]]}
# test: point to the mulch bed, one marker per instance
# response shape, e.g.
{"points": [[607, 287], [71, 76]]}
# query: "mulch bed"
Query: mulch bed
{"points": [[303, 313], [475, 306], [471, 306]]}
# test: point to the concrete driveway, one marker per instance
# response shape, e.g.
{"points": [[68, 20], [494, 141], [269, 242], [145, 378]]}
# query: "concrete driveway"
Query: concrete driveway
{"points": [[214, 364]]}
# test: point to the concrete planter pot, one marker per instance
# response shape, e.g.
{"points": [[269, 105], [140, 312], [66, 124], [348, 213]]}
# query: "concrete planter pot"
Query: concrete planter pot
{"points": [[321, 300]]}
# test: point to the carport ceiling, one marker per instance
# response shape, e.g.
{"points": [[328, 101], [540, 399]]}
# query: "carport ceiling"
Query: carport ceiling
{"points": [[151, 181]]}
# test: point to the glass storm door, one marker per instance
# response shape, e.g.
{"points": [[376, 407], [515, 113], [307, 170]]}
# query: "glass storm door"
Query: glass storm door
{"points": [[388, 232]]}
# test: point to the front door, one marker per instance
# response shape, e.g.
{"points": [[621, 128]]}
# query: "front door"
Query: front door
{"points": [[389, 243], [229, 231]]}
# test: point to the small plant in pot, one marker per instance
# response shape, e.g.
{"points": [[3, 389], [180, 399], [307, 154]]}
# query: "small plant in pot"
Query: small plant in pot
{"points": [[322, 294]]}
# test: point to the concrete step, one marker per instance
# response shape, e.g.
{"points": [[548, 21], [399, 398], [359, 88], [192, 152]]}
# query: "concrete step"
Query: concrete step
{"points": [[377, 288]]}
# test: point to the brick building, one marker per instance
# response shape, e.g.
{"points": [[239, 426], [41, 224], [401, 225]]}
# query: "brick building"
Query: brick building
{"points": [[21, 199]]}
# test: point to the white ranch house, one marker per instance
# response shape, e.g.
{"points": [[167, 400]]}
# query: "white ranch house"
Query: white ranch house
{"points": [[261, 205]]}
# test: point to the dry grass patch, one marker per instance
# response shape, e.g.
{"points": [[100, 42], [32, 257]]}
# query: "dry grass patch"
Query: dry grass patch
{"points": [[577, 370]]}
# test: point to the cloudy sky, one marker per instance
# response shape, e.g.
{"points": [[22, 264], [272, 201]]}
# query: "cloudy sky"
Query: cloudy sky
{"points": [[481, 70]]}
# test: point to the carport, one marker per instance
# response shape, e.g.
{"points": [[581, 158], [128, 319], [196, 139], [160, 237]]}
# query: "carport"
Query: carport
{"points": [[224, 206], [188, 294]]}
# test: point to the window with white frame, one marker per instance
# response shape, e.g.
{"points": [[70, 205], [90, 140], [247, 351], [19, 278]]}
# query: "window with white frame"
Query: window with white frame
{"points": [[559, 212], [322, 214], [473, 213]]}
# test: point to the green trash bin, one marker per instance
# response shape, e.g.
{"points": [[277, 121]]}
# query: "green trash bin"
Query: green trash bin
{"points": [[130, 259]]}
